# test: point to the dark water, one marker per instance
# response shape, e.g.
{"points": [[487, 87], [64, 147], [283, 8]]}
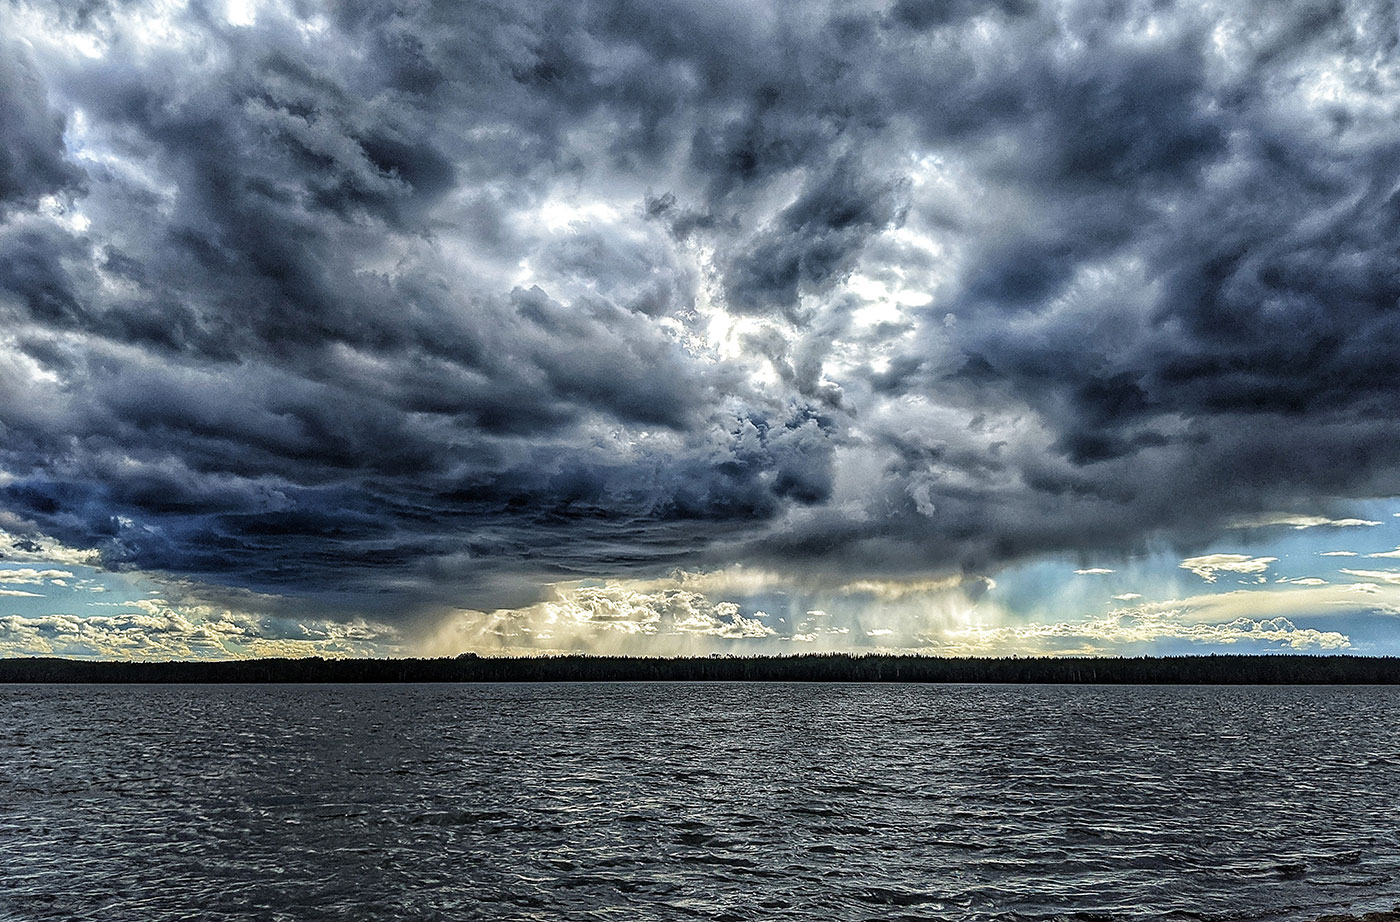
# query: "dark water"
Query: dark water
{"points": [[679, 801]]}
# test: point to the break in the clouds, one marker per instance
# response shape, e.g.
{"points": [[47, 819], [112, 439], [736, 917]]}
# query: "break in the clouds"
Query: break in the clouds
{"points": [[395, 310]]}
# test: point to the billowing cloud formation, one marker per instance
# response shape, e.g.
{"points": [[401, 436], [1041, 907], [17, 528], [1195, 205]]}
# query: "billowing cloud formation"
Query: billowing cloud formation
{"points": [[431, 307], [150, 629], [736, 611], [31, 576], [606, 619]]}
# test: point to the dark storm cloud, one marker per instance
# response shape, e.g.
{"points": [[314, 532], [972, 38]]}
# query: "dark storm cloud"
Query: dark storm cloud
{"points": [[813, 240], [434, 301], [32, 161]]}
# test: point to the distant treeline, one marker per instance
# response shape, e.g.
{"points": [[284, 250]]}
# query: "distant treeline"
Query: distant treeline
{"points": [[1175, 670]]}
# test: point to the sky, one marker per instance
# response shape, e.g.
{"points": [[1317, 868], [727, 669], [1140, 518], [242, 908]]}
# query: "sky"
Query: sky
{"points": [[1013, 327]]}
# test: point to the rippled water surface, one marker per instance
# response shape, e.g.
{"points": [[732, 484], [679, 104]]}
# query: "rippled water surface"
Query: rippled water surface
{"points": [[692, 801]]}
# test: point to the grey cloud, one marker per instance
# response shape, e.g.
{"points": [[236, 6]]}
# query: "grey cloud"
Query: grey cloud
{"points": [[33, 160], [417, 303], [813, 241], [927, 14]]}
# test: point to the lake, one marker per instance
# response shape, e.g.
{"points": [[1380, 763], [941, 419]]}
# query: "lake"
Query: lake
{"points": [[697, 801]]}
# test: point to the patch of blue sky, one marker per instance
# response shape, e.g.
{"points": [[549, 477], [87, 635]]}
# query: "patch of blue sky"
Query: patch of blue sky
{"points": [[34, 588], [1278, 558]]}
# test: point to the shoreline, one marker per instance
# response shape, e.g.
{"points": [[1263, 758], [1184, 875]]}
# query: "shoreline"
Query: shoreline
{"points": [[1276, 669]]}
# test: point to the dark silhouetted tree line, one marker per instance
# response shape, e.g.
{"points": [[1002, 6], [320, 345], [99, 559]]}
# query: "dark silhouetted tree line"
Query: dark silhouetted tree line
{"points": [[1175, 670]]}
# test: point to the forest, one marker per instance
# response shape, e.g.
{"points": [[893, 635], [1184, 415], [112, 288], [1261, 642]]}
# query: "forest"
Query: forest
{"points": [[1275, 669]]}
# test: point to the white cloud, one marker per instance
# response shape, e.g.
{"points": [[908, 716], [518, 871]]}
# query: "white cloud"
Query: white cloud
{"points": [[1338, 554], [612, 618], [1207, 567], [20, 594], [1287, 601], [1131, 629], [623, 609], [667, 617], [745, 581], [28, 576], [1093, 571], [697, 613], [1394, 553], [890, 589], [1379, 576], [1300, 522], [725, 621], [156, 631], [24, 545]]}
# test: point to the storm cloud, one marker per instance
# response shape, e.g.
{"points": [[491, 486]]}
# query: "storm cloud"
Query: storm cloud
{"points": [[426, 303]]}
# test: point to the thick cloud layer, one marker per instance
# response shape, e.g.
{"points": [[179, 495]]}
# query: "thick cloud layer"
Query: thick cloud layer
{"points": [[430, 302]]}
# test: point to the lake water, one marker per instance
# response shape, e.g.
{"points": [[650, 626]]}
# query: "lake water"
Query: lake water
{"points": [[693, 801]]}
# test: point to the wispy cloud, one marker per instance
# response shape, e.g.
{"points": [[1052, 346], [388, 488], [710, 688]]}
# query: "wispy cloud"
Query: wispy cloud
{"points": [[1380, 576], [1300, 521], [1136, 630], [1209, 566], [1292, 601]]}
